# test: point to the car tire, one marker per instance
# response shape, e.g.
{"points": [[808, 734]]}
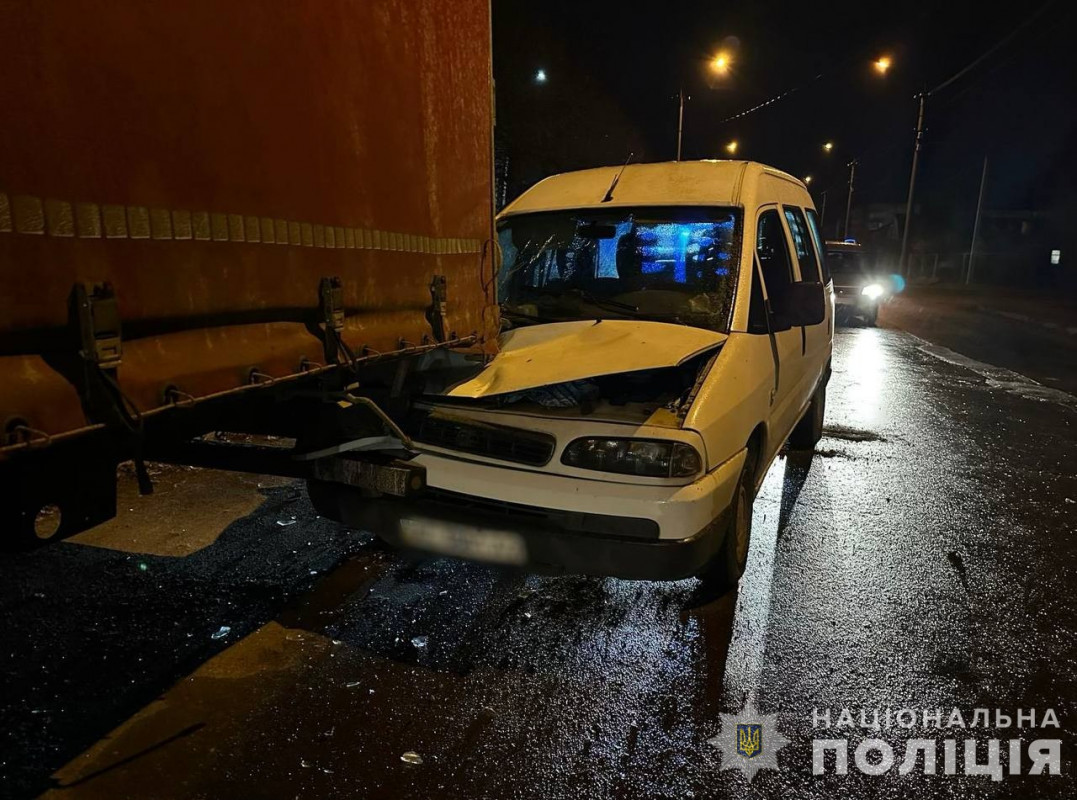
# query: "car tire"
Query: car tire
{"points": [[809, 430], [723, 572]]}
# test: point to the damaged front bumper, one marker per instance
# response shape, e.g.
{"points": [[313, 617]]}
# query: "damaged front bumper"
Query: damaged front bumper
{"points": [[552, 523], [445, 525]]}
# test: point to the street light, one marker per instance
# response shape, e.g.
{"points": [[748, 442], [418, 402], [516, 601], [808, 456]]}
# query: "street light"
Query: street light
{"points": [[720, 63], [540, 76], [882, 64], [731, 148], [828, 146], [807, 180]]}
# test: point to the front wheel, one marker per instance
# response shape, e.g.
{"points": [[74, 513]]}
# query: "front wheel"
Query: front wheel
{"points": [[723, 572]]}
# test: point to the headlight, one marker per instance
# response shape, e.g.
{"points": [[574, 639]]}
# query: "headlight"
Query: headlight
{"points": [[873, 291], [653, 459]]}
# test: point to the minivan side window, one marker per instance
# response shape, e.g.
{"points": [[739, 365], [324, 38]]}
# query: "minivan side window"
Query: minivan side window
{"points": [[802, 242], [773, 254], [757, 306], [813, 223]]}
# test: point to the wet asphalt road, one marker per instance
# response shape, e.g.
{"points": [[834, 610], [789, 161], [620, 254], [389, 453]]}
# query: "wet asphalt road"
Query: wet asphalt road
{"points": [[925, 557]]}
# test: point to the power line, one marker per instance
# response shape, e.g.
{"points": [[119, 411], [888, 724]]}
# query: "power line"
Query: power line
{"points": [[858, 56], [774, 99], [1000, 43], [888, 150]]}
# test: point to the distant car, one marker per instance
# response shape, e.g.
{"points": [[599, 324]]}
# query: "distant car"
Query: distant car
{"points": [[858, 292]]}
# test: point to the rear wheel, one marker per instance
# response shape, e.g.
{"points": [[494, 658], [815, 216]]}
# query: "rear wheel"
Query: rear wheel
{"points": [[809, 430], [723, 572]]}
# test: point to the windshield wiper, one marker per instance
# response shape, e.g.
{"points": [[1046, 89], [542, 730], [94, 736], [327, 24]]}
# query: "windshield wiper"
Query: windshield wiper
{"points": [[576, 292], [603, 302], [509, 311]]}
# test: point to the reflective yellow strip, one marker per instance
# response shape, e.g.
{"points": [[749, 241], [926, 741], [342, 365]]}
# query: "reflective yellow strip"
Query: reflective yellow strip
{"points": [[29, 214], [88, 220], [59, 218], [5, 214], [138, 222], [160, 223], [182, 225], [32, 215], [115, 218], [200, 224]]}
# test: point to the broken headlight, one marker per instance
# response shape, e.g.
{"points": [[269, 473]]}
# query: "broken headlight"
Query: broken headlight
{"points": [[646, 457]]}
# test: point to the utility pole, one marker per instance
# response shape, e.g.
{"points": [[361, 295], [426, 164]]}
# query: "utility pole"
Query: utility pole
{"points": [[680, 125], [822, 211], [976, 225], [849, 199], [902, 266]]}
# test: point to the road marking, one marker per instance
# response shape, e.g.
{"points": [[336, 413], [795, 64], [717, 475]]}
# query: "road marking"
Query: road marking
{"points": [[999, 378]]}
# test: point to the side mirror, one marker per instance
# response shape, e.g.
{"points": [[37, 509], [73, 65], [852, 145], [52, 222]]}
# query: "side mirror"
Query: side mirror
{"points": [[805, 303]]}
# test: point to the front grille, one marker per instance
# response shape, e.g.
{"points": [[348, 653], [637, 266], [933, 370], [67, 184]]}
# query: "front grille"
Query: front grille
{"points": [[515, 513], [483, 439]]}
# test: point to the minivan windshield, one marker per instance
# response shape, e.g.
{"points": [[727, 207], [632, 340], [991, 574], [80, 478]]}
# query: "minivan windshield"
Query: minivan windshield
{"points": [[673, 264]]}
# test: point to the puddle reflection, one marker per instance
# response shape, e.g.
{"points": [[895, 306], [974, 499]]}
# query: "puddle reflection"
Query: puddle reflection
{"points": [[865, 365]]}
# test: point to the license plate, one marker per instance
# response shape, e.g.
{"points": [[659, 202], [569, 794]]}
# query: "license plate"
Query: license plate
{"points": [[464, 541]]}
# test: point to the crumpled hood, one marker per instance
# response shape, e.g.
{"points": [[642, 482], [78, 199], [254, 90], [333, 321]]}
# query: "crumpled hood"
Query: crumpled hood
{"points": [[559, 352]]}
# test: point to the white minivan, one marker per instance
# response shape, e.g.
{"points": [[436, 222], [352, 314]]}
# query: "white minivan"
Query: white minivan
{"points": [[666, 329]]}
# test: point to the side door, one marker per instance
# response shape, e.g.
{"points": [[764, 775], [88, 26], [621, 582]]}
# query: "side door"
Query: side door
{"points": [[816, 338], [775, 266]]}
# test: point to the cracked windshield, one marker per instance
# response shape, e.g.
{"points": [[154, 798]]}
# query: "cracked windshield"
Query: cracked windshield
{"points": [[676, 264]]}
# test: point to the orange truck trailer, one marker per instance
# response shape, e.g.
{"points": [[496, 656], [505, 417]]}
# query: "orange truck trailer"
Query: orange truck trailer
{"points": [[242, 217]]}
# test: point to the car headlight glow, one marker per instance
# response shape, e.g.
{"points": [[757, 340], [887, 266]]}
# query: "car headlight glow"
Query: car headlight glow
{"points": [[873, 291], [645, 457]]}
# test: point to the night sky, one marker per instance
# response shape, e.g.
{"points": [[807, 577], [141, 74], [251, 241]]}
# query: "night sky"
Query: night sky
{"points": [[614, 69]]}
